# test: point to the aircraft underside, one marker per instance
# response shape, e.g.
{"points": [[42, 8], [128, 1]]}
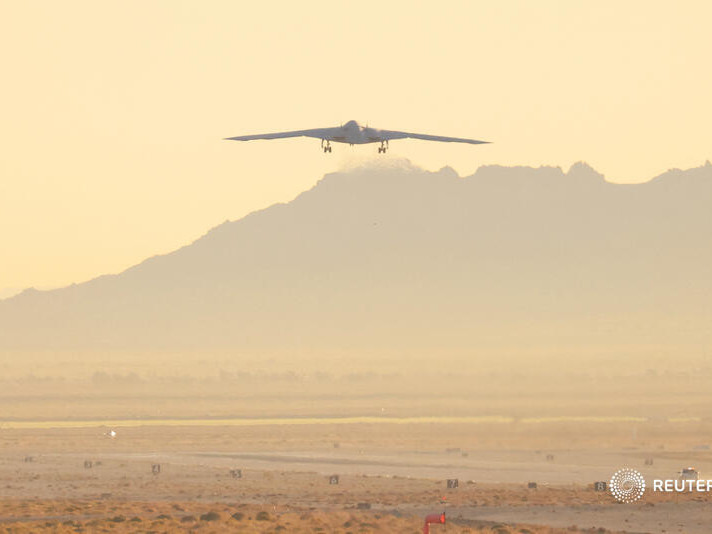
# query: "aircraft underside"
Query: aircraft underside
{"points": [[326, 143]]}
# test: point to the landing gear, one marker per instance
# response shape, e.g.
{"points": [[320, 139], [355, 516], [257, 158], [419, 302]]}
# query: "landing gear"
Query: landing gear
{"points": [[384, 146], [326, 145]]}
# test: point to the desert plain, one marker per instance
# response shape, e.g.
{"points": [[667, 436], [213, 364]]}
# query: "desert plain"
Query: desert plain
{"points": [[78, 478]]}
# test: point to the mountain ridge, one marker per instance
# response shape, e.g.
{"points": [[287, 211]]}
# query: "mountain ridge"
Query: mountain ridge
{"points": [[414, 259], [579, 167]]}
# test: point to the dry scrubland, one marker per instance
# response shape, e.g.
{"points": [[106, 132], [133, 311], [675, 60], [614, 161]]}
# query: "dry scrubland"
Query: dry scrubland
{"points": [[398, 470], [91, 516]]}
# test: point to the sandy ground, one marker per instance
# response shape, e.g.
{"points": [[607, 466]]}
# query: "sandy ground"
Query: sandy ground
{"points": [[390, 477]]}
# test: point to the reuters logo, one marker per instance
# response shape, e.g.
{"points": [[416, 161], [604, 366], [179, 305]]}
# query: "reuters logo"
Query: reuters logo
{"points": [[627, 485]]}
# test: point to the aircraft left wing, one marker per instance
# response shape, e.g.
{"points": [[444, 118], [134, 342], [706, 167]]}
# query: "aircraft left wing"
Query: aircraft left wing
{"points": [[386, 135], [319, 133]]}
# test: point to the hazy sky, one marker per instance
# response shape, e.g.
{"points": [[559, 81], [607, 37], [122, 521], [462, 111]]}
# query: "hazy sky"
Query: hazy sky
{"points": [[113, 112]]}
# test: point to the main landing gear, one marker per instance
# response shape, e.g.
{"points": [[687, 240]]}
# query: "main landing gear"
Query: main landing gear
{"points": [[384, 146], [326, 145]]}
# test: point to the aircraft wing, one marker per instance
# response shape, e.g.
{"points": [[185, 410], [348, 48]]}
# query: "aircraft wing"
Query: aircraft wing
{"points": [[387, 135], [319, 133]]}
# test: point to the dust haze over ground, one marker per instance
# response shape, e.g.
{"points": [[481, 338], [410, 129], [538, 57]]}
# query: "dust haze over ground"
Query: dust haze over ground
{"points": [[390, 322]]}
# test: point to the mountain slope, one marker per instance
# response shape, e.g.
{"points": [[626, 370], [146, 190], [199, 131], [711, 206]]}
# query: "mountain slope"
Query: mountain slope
{"points": [[396, 260]]}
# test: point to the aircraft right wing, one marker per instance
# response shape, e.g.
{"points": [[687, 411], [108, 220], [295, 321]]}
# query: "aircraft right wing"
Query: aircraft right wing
{"points": [[318, 133], [393, 134]]}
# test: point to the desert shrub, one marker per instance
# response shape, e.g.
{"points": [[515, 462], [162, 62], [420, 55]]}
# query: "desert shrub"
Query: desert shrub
{"points": [[210, 516], [238, 516], [262, 516]]}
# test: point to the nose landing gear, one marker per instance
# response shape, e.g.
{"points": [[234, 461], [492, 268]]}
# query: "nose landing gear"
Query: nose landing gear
{"points": [[326, 145], [384, 146]]}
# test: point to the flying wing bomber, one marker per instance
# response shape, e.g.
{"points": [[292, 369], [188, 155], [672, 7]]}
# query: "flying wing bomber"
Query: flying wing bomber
{"points": [[355, 134]]}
